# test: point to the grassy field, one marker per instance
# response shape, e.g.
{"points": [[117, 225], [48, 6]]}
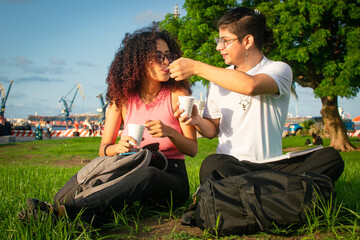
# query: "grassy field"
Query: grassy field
{"points": [[38, 169]]}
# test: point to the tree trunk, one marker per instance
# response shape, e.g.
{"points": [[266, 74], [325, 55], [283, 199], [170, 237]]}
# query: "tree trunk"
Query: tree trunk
{"points": [[334, 125]]}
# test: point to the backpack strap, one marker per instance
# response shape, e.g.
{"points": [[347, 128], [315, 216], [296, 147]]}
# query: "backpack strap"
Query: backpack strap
{"points": [[158, 159], [188, 217]]}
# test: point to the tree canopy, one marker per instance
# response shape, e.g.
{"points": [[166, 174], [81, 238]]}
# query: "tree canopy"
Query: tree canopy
{"points": [[197, 30], [319, 39]]}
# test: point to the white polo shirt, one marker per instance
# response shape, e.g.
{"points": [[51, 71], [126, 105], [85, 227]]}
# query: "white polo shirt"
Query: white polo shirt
{"points": [[251, 127]]}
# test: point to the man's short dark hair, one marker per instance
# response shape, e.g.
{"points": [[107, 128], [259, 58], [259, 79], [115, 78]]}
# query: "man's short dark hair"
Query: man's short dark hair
{"points": [[243, 21]]}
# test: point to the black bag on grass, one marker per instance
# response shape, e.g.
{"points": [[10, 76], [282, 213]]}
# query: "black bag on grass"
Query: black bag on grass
{"points": [[103, 172], [256, 201]]}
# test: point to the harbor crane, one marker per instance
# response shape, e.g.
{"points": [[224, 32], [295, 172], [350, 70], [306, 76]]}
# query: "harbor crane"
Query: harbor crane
{"points": [[5, 126], [4, 98], [103, 105], [68, 107]]}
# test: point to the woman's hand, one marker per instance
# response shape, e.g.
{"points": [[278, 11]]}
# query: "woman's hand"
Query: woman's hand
{"points": [[193, 120], [157, 129], [124, 144]]}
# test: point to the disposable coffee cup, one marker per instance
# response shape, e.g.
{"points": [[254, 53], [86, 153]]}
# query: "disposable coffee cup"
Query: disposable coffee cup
{"points": [[136, 131], [186, 103]]}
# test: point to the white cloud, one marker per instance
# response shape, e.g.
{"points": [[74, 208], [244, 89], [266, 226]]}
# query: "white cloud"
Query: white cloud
{"points": [[147, 17], [56, 66], [19, 61], [4, 79], [22, 61], [17, 95], [51, 69], [37, 79], [57, 61], [85, 64]]}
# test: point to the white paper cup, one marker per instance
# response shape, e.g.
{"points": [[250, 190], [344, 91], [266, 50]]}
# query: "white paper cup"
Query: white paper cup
{"points": [[136, 131], [186, 103]]}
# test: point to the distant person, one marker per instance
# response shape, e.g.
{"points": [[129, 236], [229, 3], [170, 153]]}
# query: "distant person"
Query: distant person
{"points": [[100, 128], [90, 129], [247, 103], [48, 127], [2, 127], [317, 139], [148, 96], [93, 128], [5, 127]]}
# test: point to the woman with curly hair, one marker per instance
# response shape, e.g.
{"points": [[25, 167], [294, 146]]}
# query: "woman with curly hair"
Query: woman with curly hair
{"points": [[141, 91]]}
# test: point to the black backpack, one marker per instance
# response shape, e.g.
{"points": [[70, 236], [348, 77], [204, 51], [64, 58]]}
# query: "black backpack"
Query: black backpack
{"points": [[256, 201]]}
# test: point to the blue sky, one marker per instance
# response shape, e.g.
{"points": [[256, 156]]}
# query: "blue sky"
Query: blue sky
{"points": [[47, 46]]}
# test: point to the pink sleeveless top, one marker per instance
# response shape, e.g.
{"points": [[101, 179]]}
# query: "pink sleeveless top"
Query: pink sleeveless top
{"points": [[159, 109]]}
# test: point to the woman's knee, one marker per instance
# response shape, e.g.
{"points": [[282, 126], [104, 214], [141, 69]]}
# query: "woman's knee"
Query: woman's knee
{"points": [[148, 174]]}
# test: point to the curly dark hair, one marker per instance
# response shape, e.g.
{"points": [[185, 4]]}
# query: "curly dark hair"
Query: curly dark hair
{"points": [[128, 69]]}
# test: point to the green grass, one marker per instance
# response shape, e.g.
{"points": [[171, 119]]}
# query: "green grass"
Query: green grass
{"points": [[48, 151], [32, 169]]}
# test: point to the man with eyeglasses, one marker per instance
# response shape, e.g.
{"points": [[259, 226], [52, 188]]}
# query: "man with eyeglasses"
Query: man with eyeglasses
{"points": [[247, 103]]}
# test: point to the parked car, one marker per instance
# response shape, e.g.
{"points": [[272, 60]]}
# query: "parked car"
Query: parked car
{"points": [[294, 128], [349, 124], [285, 132]]}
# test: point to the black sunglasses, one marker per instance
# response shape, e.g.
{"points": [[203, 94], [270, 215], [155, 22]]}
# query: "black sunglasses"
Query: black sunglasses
{"points": [[160, 57]]}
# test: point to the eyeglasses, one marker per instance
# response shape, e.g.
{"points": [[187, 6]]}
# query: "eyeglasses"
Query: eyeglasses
{"points": [[224, 43], [160, 57]]}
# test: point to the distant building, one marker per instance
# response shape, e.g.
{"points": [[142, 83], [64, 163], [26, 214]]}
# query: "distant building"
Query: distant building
{"points": [[176, 11], [59, 120], [200, 104]]}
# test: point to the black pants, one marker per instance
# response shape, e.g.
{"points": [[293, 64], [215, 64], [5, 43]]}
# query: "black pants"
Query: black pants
{"points": [[150, 185], [325, 161], [48, 134]]}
